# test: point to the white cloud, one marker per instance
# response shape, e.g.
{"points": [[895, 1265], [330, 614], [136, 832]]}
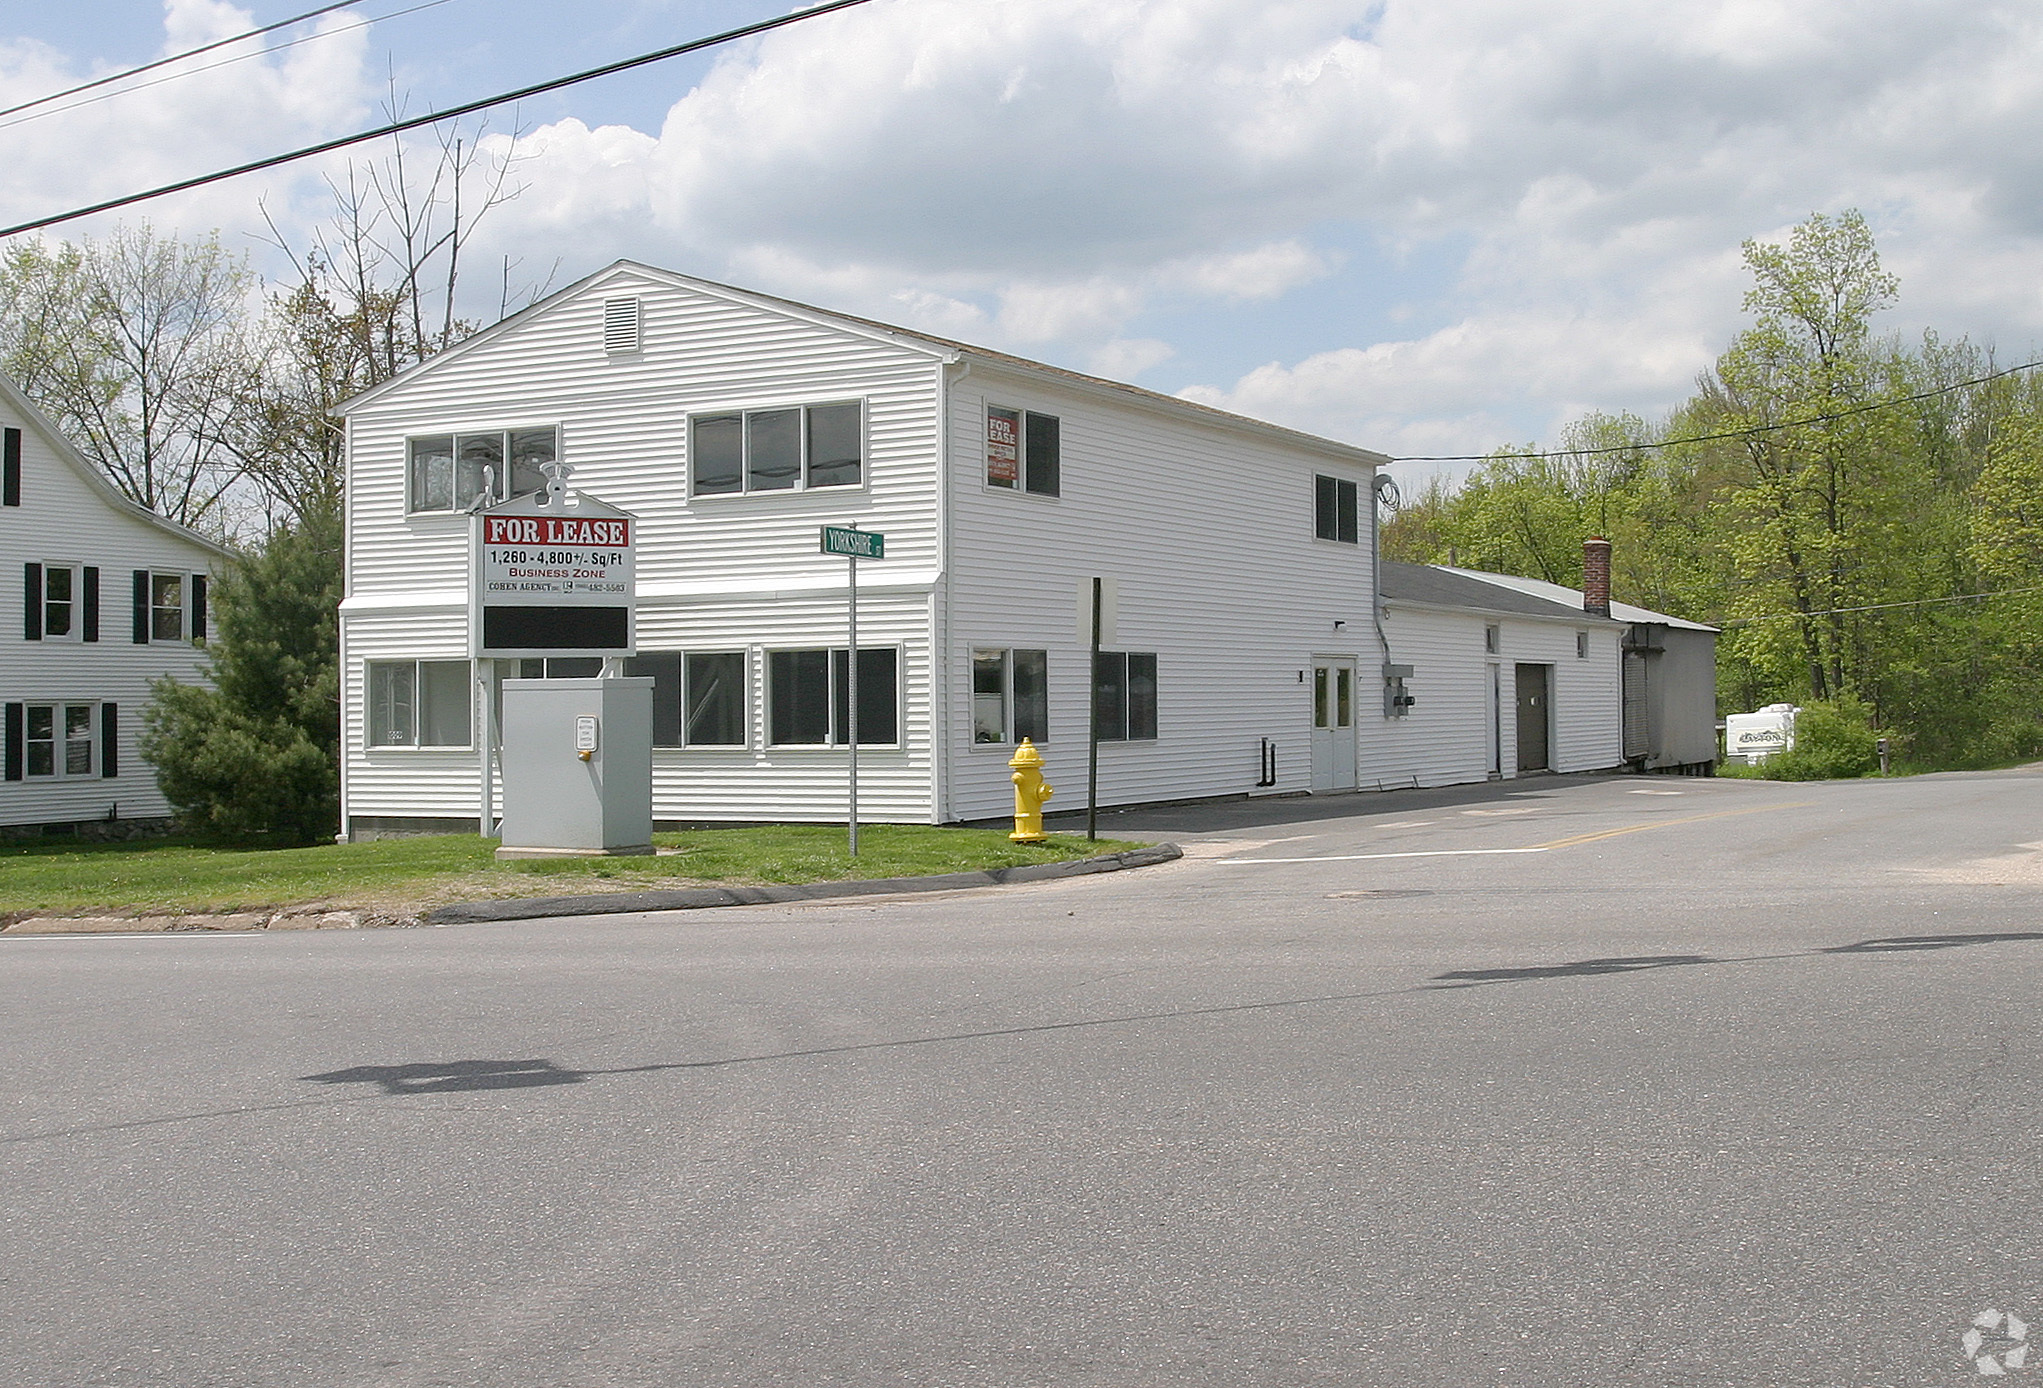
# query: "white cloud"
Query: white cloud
{"points": [[1125, 358], [1263, 273], [1555, 190], [210, 114]]}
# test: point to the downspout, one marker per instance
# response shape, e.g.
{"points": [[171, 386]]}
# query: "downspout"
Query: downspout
{"points": [[940, 768]]}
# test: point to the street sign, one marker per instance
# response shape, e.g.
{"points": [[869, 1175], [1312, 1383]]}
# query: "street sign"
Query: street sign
{"points": [[854, 544]]}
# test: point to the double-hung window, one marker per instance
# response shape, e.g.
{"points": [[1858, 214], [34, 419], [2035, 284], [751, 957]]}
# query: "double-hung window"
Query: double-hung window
{"points": [[793, 449], [809, 697], [698, 697], [451, 472], [166, 607], [1124, 695], [60, 602], [1023, 450], [60, 739], [418, 703], [1336, 510], [1010, 696]]}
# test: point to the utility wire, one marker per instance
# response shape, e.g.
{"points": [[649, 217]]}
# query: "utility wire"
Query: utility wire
{"points": [[1873, 607], [448, 113], [1750, 431], [209, 67], [178, 57]]}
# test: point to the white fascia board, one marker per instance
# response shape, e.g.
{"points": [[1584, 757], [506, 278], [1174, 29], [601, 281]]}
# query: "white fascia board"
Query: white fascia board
{"points": [[871, 582], [419, 600], [61, 445], [1559, 619]]}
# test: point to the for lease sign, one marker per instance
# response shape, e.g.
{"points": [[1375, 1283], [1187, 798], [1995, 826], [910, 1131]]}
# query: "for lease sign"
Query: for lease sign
{"points": [[556, 561]]}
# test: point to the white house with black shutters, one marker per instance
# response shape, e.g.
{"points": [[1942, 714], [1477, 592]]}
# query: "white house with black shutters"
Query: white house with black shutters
{"points": [[1244, 652], [111, 596]]}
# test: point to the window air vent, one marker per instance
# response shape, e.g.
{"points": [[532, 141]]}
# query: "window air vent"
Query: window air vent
{"points": [[620, 326]]}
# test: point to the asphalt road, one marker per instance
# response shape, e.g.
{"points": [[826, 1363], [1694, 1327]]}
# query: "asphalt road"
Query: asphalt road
{"points": [[1597, 1081]]}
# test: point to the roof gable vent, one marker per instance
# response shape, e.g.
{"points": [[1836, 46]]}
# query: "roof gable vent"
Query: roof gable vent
{"points": [[621, 326]]}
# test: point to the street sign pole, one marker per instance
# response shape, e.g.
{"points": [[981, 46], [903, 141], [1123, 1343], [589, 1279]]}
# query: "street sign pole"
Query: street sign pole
{"points": [[1092, 753], [854, 544], [851, 660]]}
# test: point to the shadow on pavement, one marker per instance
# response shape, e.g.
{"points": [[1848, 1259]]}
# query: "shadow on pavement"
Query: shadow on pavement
{"points": [[454, 1076], [1580, 968], [469, 1075], [1899, 943]]}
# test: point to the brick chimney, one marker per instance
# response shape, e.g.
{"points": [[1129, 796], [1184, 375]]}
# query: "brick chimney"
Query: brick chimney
{"points": [[1596, 577]]}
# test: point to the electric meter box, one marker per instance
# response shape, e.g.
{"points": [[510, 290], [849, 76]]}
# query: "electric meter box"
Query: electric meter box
{"points": [[577, 768]]}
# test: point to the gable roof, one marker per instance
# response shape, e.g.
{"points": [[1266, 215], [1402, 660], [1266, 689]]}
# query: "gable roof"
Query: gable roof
{"points": [[942, 348], [67, 452], [1439, 585]]}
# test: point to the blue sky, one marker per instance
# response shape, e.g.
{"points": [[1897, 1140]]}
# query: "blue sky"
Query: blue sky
{"points": [[1425, 227]]}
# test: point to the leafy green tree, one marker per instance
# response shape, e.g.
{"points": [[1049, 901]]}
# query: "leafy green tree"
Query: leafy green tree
{"points": [[257, 754]]}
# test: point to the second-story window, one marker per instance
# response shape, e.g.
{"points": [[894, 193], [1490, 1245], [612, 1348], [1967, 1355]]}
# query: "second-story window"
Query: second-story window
{"points": [[449, 472], [793, 449], [1024, 450], [1336, 507]]}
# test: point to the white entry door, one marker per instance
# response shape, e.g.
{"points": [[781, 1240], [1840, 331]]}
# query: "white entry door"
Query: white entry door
{"points": [[1333, 725]]}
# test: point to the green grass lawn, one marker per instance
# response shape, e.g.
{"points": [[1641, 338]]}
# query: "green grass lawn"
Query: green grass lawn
{"points": [[184, 875]]}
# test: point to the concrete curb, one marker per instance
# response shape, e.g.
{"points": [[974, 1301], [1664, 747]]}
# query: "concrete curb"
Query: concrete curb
{"points": [[701, 898]]}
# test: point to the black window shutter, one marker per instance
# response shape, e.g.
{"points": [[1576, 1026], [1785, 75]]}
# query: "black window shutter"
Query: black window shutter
{"points": [[141, 607], [90, 621], [109, 740], [198, 607], [31, 602], [17, 732], [10, 469]]}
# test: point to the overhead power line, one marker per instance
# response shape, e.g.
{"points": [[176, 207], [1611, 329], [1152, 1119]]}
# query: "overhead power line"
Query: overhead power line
{"points": [[1749, 431], [195, 71], [1874, 607], [447, 113], [179, 57]]}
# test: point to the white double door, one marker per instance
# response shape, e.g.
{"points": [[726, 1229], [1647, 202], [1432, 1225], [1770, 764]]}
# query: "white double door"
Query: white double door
{"points": [[1333, 724]]}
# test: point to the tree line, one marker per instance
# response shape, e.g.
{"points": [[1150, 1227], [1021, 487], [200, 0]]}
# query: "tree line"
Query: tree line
{"points": [[209, 396], [1861, 515]]}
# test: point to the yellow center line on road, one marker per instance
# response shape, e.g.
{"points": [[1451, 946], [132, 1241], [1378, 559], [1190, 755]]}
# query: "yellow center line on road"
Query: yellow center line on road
{"points": [[1665, 823], [1552, 844]]}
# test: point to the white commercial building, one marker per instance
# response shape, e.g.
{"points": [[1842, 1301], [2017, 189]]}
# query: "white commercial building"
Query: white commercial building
{"points": [[1243, 651], [111, 597]]}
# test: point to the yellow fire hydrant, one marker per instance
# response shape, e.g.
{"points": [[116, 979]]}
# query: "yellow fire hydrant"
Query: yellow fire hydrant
{"points": [[1030, 791]]}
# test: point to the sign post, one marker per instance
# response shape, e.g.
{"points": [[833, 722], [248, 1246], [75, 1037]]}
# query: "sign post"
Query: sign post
{"points": [[854, 544]]}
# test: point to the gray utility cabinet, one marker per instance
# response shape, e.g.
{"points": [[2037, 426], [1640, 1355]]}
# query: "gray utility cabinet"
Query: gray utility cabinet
{"points": [[578, 767]]}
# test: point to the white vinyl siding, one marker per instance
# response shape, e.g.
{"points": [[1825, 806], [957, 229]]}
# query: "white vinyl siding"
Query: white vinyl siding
{"points": [[733, 573], [1206, 529], [107, 679]]}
